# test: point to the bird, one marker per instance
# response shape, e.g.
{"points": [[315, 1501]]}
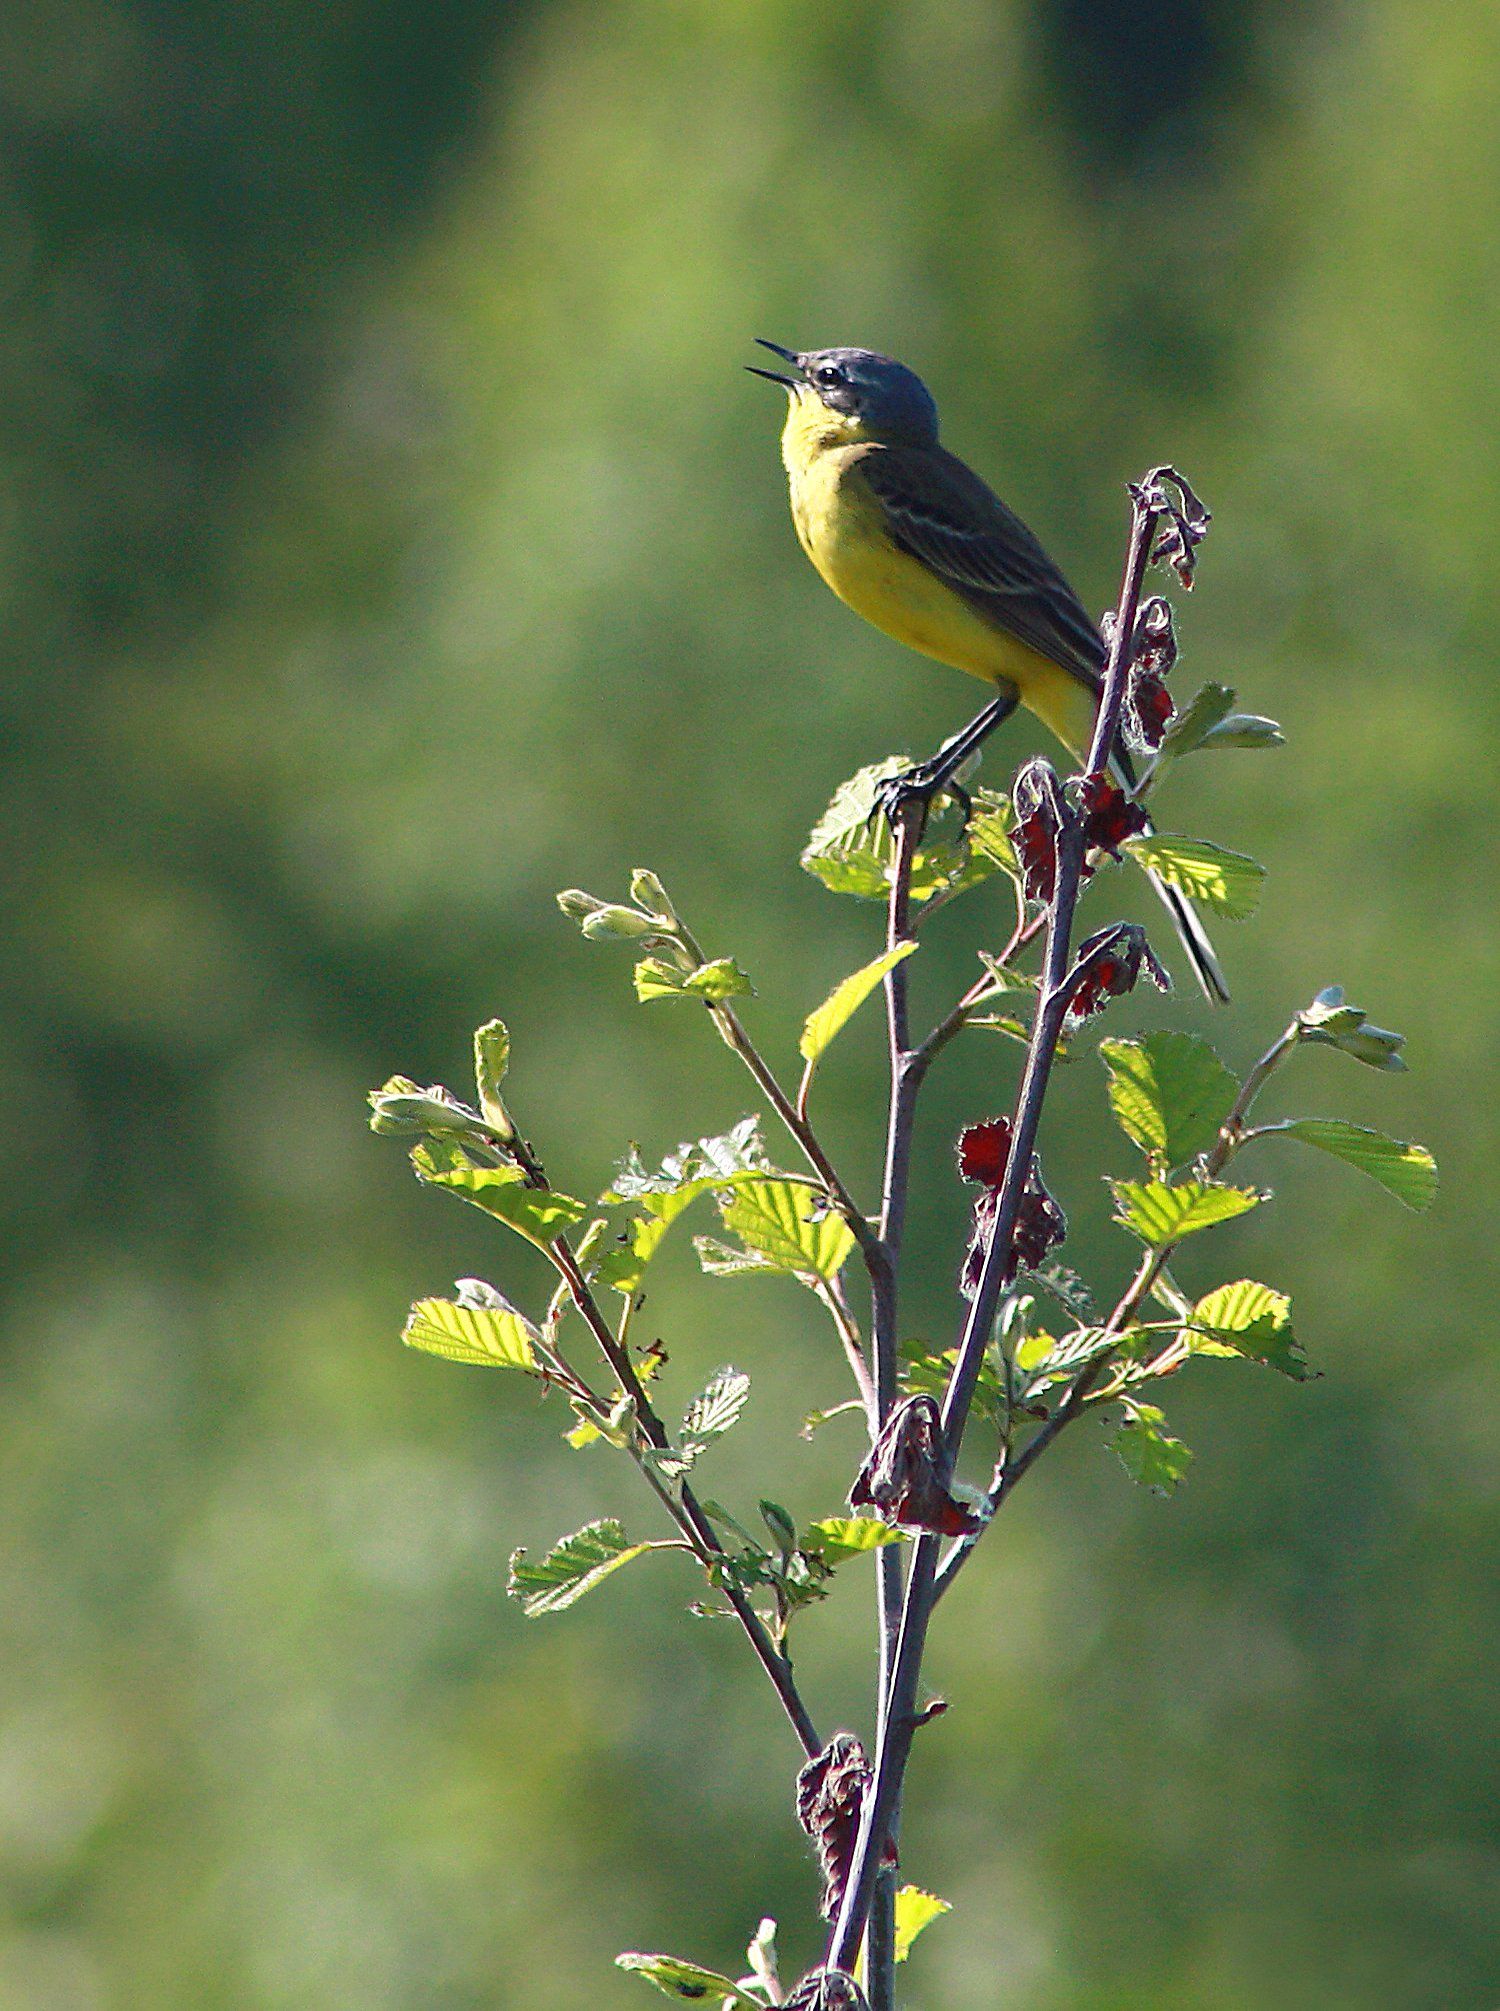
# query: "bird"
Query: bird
{"points": [[911, 538]]}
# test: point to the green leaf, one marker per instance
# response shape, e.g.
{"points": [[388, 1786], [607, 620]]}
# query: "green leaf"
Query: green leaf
{"points": [[695, 1163], [1210, 704], [839, 1537], [615, 924], [1245, 729], [915, 1910], [844, 1001], [491, 1337], [1150, 1456], [537, 1213], [656, 979], [815, 1420], [723, 1260], [1247, 1318], [1170, 1093], [401, 1109], [575, 1566], [779, 1220], [717, 1408], [491, 1059], [648, 893], [1333, 1021], [1407, 1171], [714, 982], [721, 979], [851, 848], [686, 1981], [1160, 1214], [1226, 882], [926, 1373]]}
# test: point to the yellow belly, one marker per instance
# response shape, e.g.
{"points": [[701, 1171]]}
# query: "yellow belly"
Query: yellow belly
{"points": [[842, 530]]}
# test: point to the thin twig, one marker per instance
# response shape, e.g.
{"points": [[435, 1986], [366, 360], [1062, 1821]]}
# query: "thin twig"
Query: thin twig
{"points": [[893, 1742], [905, 1081], [684, 1507]]}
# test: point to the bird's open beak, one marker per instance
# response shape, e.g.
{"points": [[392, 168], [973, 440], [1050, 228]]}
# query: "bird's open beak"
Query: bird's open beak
{"points": [[775, 376]]}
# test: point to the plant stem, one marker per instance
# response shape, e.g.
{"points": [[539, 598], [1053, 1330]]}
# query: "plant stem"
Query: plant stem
{"points": [[732, 1028], [684, 1507], [897, 1724], [906, 1080]]}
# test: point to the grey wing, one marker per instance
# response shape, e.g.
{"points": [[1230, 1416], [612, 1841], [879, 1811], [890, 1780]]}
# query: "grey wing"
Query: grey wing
{"points": [[941, 513]]}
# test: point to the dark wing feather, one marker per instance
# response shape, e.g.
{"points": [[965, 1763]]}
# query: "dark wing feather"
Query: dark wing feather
{"points": [[940, 512]]}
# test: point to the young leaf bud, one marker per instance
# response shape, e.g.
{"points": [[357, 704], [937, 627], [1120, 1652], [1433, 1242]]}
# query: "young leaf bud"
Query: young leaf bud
{"points": [[610, 924]]}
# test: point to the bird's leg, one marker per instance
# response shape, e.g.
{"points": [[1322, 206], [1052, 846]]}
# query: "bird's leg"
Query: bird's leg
{"points": [[921, 782]]}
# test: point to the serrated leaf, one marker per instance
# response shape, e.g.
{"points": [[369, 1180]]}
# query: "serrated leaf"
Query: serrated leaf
{"points": [[688, 1982], [1226, 882], [851, 848], [738, 1150], [537, 1213], [485, 1336], [1407, 1171], [915, 1910], [723, 1260], [777, 1219], [721, 979], [1160, 1214], [1209, 705], [1248, 1318], [491, 1059], [928, 1374], [717, 1408], [844, 1001], [1149, 1454], [839, 1537], [574, 1566], [1170, 1093]]}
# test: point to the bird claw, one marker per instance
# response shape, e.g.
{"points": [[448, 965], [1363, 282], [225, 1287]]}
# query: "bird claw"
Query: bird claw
{"points": [[917, 786]]}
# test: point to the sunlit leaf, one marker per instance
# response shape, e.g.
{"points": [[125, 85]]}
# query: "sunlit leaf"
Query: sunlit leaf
{"points": [[575, 1566], [844, 1001], [1169, 1092], [687, 1981], [838, 1537], [928, 1374], [1248, 1318], [1204, 710], [1245, 729], [1160, 1214], [1226, 882], [1149, 1454], [779, 1220], [722, 979], [717, 1407], [491, 1059], [851, 848], [915, 1910], [1407, 1171], [725, 1260], [485, 1336], [537, 1213]]}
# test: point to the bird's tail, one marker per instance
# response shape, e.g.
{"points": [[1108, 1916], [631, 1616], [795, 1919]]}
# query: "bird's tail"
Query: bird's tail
{"points": [[1194, 937]]}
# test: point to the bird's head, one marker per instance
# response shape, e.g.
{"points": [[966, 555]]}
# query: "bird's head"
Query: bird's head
{"points": [[870, 397]]}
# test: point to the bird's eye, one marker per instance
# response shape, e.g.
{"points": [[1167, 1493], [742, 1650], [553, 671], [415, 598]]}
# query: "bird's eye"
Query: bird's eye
{"points": [[829, 374]]}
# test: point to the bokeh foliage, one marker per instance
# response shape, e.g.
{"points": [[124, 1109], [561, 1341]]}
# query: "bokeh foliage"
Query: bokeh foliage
{"points": [[388, 540]]}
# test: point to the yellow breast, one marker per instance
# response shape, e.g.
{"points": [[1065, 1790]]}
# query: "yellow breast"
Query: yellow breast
{"points": [[842, 529]]}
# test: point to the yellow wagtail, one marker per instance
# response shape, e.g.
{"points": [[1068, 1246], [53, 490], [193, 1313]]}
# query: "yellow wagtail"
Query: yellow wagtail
{"points": [[914, 541]]}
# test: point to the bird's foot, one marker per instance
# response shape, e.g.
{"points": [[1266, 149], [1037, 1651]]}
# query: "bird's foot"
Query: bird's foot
{"points": [[916, 788]]}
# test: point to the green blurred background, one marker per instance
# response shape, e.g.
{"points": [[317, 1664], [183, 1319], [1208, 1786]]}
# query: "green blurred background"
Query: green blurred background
{"points": [[388, 537]]}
